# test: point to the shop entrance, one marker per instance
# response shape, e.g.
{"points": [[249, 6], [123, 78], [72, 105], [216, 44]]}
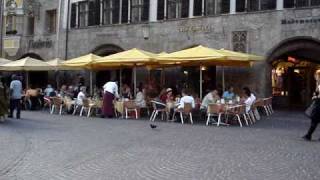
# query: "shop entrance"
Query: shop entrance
{"points": [[294, 65]]}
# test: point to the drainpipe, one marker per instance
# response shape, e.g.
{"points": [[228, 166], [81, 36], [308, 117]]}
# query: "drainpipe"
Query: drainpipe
{"points": [[1, 28], [67, 31]]}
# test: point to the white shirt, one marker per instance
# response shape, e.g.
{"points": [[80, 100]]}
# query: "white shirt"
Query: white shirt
{"points": [[81, 96], [48, 90], [112, 88], [16, 88], [249, 102], [186, 99], [207, 100], [140, 99]]}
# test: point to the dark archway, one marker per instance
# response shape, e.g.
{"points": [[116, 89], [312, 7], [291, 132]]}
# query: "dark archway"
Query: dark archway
{"points": [[106, 49], [32, 55], [37, 79], [294, 62], [105, 75]]}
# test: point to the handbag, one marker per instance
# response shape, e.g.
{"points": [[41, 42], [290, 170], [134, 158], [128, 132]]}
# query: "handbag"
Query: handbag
{"points": [[310, 109]]}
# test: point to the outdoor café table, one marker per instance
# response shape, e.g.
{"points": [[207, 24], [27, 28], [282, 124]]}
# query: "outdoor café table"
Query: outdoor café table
{"points": [[226, 109]]}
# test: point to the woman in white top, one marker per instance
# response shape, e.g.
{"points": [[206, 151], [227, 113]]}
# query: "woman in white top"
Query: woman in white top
{"points": [[81, 95], [140, 98]]}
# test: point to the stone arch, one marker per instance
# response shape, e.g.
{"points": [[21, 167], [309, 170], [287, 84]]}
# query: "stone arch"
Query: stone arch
{"points": [[32, 55], [303, 47], [106, 49]]}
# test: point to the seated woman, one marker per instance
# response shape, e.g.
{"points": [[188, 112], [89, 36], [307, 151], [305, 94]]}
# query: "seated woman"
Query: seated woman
{"points": [[248, 98], [140, 98], [81, 95], [126, 92], [62, 93]]}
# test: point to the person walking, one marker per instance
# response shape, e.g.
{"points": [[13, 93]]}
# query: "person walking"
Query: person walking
{"points": [[110, 90], [315, 116], [3, 101], [15, 96]]}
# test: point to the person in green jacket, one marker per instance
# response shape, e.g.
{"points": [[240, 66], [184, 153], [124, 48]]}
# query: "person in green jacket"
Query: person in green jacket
{"points": [[3, 100]]}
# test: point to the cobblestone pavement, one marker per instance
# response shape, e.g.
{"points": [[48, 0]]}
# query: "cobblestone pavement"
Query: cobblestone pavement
{"points": [[42, 146]]}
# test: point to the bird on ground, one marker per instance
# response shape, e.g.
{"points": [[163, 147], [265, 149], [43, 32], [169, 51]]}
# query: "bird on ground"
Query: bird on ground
{"points": [[153, 126]]}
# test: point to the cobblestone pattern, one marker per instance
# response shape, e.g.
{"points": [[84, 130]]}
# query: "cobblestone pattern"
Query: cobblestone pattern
{"points": [[42, 146]]}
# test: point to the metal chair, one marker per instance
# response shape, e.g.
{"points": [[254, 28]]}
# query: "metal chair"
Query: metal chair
{"points": [[130, 106], [158, 107], [186, 111], [214, 110], [56, 103]]}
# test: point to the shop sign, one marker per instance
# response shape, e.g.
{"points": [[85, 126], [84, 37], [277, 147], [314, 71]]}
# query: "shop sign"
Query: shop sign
{"points": [[39, 44], [196, 28], [310, 20]]}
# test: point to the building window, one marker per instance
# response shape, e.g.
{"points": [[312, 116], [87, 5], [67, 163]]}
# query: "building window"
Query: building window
{"points": [[30, 28], [177, 9], [255, 5], [83, 14], [302, 3], [73, 21], [160, 15], [225, 7], [315, 2], [124, 11], [139, 10], [210, 7], [197, 8], [239, 41], [268, 4], [240, 5], [288, 3], [10, 24], [51, 21], [93, 12], [111, 10]]}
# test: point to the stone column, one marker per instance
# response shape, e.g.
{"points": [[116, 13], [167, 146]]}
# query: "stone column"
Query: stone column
{"points": [[129, 11], [191, 4], [153, 9], [279, 4], [232, 6], [202, 8], [101, 12], [120, 13]]}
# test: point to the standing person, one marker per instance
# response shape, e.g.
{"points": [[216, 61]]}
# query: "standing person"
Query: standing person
{"points": [[315, 116], [3, 101], [15, 96], [110, 90]]}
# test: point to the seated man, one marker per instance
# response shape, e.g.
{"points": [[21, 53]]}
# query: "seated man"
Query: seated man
{"points": [[186, 98], [81, 95], [211, 97], [229, 94]]}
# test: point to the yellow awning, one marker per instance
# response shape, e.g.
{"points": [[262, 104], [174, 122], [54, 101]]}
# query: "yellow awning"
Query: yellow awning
{"points": [[85, 61], [132, 57], [4, 61], [26, 64], [233, 55]]}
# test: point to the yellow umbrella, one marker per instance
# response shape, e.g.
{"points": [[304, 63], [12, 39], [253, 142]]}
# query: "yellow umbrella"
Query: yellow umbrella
{"points": [[4, 61], [233, 55], [26, 64], [85, 61], [132, 57]]}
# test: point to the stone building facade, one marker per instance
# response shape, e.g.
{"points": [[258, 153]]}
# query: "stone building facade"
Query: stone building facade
{"points": [[275, 29]]}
